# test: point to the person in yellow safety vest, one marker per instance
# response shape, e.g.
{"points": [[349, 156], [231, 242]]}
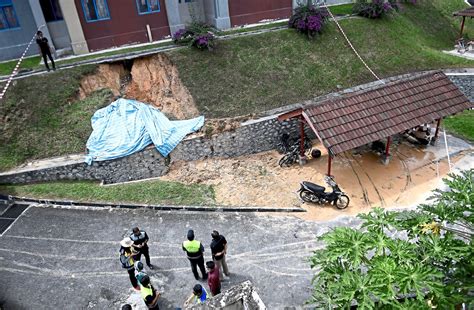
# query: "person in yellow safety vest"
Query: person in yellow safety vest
{"points": [[149, 294], [195, 252], [127, 260]]}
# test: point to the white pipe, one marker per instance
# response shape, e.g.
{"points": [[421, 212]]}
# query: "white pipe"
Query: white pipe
{"points": [[447, 151], [148, 30]]}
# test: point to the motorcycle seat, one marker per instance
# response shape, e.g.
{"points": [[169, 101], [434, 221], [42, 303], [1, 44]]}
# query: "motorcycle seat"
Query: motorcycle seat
{"points": [[314, 187]]}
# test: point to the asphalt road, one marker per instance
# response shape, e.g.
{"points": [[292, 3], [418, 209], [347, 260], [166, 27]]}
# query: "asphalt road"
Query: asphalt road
{"points": [[53, 258]]}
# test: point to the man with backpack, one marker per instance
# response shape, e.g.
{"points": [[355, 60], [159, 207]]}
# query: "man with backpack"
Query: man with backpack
{"points": [[127, 260]]}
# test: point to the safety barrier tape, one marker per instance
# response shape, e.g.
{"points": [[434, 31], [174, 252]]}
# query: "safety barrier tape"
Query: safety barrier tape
{"points": [[15, 70], [350, 44]]}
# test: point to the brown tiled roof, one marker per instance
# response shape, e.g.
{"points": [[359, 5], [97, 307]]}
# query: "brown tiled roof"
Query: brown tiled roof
{"points": [[469, 12], [345, 123]]}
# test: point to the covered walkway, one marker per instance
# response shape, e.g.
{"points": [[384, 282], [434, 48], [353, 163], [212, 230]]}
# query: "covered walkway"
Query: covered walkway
{"points": [[367, 116]]}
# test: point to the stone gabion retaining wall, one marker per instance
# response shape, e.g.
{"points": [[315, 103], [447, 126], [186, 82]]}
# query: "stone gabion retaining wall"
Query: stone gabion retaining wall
{"points": [[145, 164], [252, 137], [465, 83]]}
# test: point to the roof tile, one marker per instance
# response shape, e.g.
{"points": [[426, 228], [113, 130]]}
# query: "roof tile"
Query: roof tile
{"points": [[364, 117]]}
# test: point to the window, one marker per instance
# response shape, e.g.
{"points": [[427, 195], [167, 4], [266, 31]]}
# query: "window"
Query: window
{"points": [[95, 10], [148, 6], [51, 10], [8, 18]]}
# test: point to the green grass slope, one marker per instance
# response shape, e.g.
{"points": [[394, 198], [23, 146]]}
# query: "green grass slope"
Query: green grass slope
{"points": [[252, 74], [42, 118], [147, 192]]}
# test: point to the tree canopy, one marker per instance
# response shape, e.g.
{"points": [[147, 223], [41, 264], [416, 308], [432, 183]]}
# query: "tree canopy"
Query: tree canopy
{"points": [[421, 259]]}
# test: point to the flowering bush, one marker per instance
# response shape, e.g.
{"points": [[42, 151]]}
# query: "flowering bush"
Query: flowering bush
{"points": [[375, 8], [309, 19], [198, 35]]}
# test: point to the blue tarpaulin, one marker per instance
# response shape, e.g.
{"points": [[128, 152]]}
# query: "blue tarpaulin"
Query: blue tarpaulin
{"points": [[128, 126]]}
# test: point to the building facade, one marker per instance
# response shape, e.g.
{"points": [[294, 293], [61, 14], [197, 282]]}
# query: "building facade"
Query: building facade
{"points": [[83, 26]]}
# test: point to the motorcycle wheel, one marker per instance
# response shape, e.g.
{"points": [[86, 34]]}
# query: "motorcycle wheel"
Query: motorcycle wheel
{"points": [[342, 202], [306, 196], [286, 160]]}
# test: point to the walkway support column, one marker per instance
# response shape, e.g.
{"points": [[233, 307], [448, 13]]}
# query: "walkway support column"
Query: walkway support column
{"points": [[301, 136], [462, 26], [386, 155], [329, 163], [433, 140]]}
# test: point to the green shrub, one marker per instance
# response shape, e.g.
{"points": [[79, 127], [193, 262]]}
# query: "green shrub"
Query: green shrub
{"points": [[197, 35], [309, 19]]}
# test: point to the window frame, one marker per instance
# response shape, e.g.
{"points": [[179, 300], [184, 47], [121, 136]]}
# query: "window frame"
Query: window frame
{"points": [[95, 8], [6, 19], [149, 9]]}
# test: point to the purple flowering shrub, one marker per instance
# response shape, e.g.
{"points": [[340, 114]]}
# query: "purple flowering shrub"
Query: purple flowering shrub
{"points": [[309, 19], [197, 35], [377, 8]]}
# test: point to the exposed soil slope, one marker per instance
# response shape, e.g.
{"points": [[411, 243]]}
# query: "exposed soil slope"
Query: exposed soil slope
{"points": [[152, 80]]}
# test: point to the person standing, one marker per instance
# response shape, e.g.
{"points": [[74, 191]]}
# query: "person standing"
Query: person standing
{"points": [[140, 244], [219, 251], [213, 280], [44, 49], [195, 252], [139, 273], [149, 294], [127, 260]]}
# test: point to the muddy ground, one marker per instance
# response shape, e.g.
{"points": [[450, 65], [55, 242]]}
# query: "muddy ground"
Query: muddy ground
{"points": [[257, 180]]}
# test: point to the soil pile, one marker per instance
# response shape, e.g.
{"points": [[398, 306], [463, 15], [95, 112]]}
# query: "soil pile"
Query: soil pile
{"points": [[257, 180], [155, 80], [106, 76], [152, 80]]}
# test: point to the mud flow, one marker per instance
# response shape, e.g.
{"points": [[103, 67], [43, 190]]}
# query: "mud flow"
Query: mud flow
{"points": [[257, 180]]}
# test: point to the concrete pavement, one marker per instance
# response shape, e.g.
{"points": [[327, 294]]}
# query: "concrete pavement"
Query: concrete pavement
{"points": [[68, 258]]}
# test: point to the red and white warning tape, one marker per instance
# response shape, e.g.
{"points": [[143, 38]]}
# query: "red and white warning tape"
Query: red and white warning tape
{"points": [[15, 70], [350, 44]]}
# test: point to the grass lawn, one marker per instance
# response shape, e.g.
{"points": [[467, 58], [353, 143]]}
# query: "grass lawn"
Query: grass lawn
{"points": [[7, 67], [147, 192], [461, 125], [42, 118], [115, 52], [343, 9], [257, 73]]}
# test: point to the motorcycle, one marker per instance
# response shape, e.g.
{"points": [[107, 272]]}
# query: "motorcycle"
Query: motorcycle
{"points": [[310, 192]]}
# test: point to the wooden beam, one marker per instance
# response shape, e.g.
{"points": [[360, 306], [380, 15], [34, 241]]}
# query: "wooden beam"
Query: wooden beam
{"points": [[437, 129], [387, 148], [329, 164], [301, 136], [291, 114], [462, 26], [310, 124]]}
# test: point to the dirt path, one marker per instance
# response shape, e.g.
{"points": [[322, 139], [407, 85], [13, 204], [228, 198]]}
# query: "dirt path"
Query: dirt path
{"points": [[257, 180]]}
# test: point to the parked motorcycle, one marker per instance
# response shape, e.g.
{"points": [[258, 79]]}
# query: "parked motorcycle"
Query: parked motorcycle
{"points": [[310, 192]]}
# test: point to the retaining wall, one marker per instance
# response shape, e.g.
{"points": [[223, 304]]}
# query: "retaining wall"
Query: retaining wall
{"points": [[465, 83], [145, 164], [252, 137]]}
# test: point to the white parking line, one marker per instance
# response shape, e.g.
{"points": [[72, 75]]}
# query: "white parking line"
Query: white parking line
{"points": [[8, 228]]}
